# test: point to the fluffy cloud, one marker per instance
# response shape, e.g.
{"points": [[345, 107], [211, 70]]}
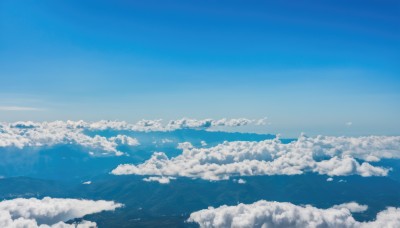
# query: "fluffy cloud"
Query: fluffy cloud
{"points": [[37, 134], [30, 134], [276, 214], [333, 156], [352, 207], [161, 180], [207, 123], [347, 166], [184, 123], [239, 181], [50, 212], [124, 140]]}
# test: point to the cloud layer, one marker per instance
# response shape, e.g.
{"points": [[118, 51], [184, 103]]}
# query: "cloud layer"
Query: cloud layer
{"points": [[159, 125], [161, 180], [39, 134], [276, 214], [333, 156], [30, 134], [50, 212]]}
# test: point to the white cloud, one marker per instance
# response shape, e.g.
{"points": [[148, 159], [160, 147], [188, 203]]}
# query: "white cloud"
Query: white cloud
{"points": [[347, 166], [185, 146], [184, 123], [333, 156], [50, 212], [18, 108], [38, 134], [31, 134], [352, 207], [125, 140], [164, 141], [161, 180], [276, 214], [87, 182], [329, 179], [239, 181]]}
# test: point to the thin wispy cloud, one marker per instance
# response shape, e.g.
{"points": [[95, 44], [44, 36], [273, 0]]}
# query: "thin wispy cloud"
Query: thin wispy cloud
{"points": [[19, 108]]}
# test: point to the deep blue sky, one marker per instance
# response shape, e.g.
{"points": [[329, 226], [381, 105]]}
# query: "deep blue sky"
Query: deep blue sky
{"points": [[307, 65]]}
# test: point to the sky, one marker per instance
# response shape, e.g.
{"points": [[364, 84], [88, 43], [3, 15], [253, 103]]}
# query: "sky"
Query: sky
{"points": [[320, 67]]}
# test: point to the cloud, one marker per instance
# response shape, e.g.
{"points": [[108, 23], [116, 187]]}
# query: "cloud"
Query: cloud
{"points": [[31, 134], [276, 214], [333, 156], [18, 108], [193, 123], [165, 141], [184, 123], [185, 146], [50, 212], [161, 180], [39, 134], [349, 123], [347, 166], [239, 181], [352, 207], [125, 140]]}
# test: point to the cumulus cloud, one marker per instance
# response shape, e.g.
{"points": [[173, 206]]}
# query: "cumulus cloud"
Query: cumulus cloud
{"points": [[333, 156], [50, 212], [31, 134], [239, 181], [124, 140], [352, 207], [347, 166], [276, 214], [38, 134], [161, 180], [185, 146], [184, 123], [206, 123]]}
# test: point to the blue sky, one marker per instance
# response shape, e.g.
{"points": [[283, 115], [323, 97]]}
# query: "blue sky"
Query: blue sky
{"points": [[307, 65]]}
